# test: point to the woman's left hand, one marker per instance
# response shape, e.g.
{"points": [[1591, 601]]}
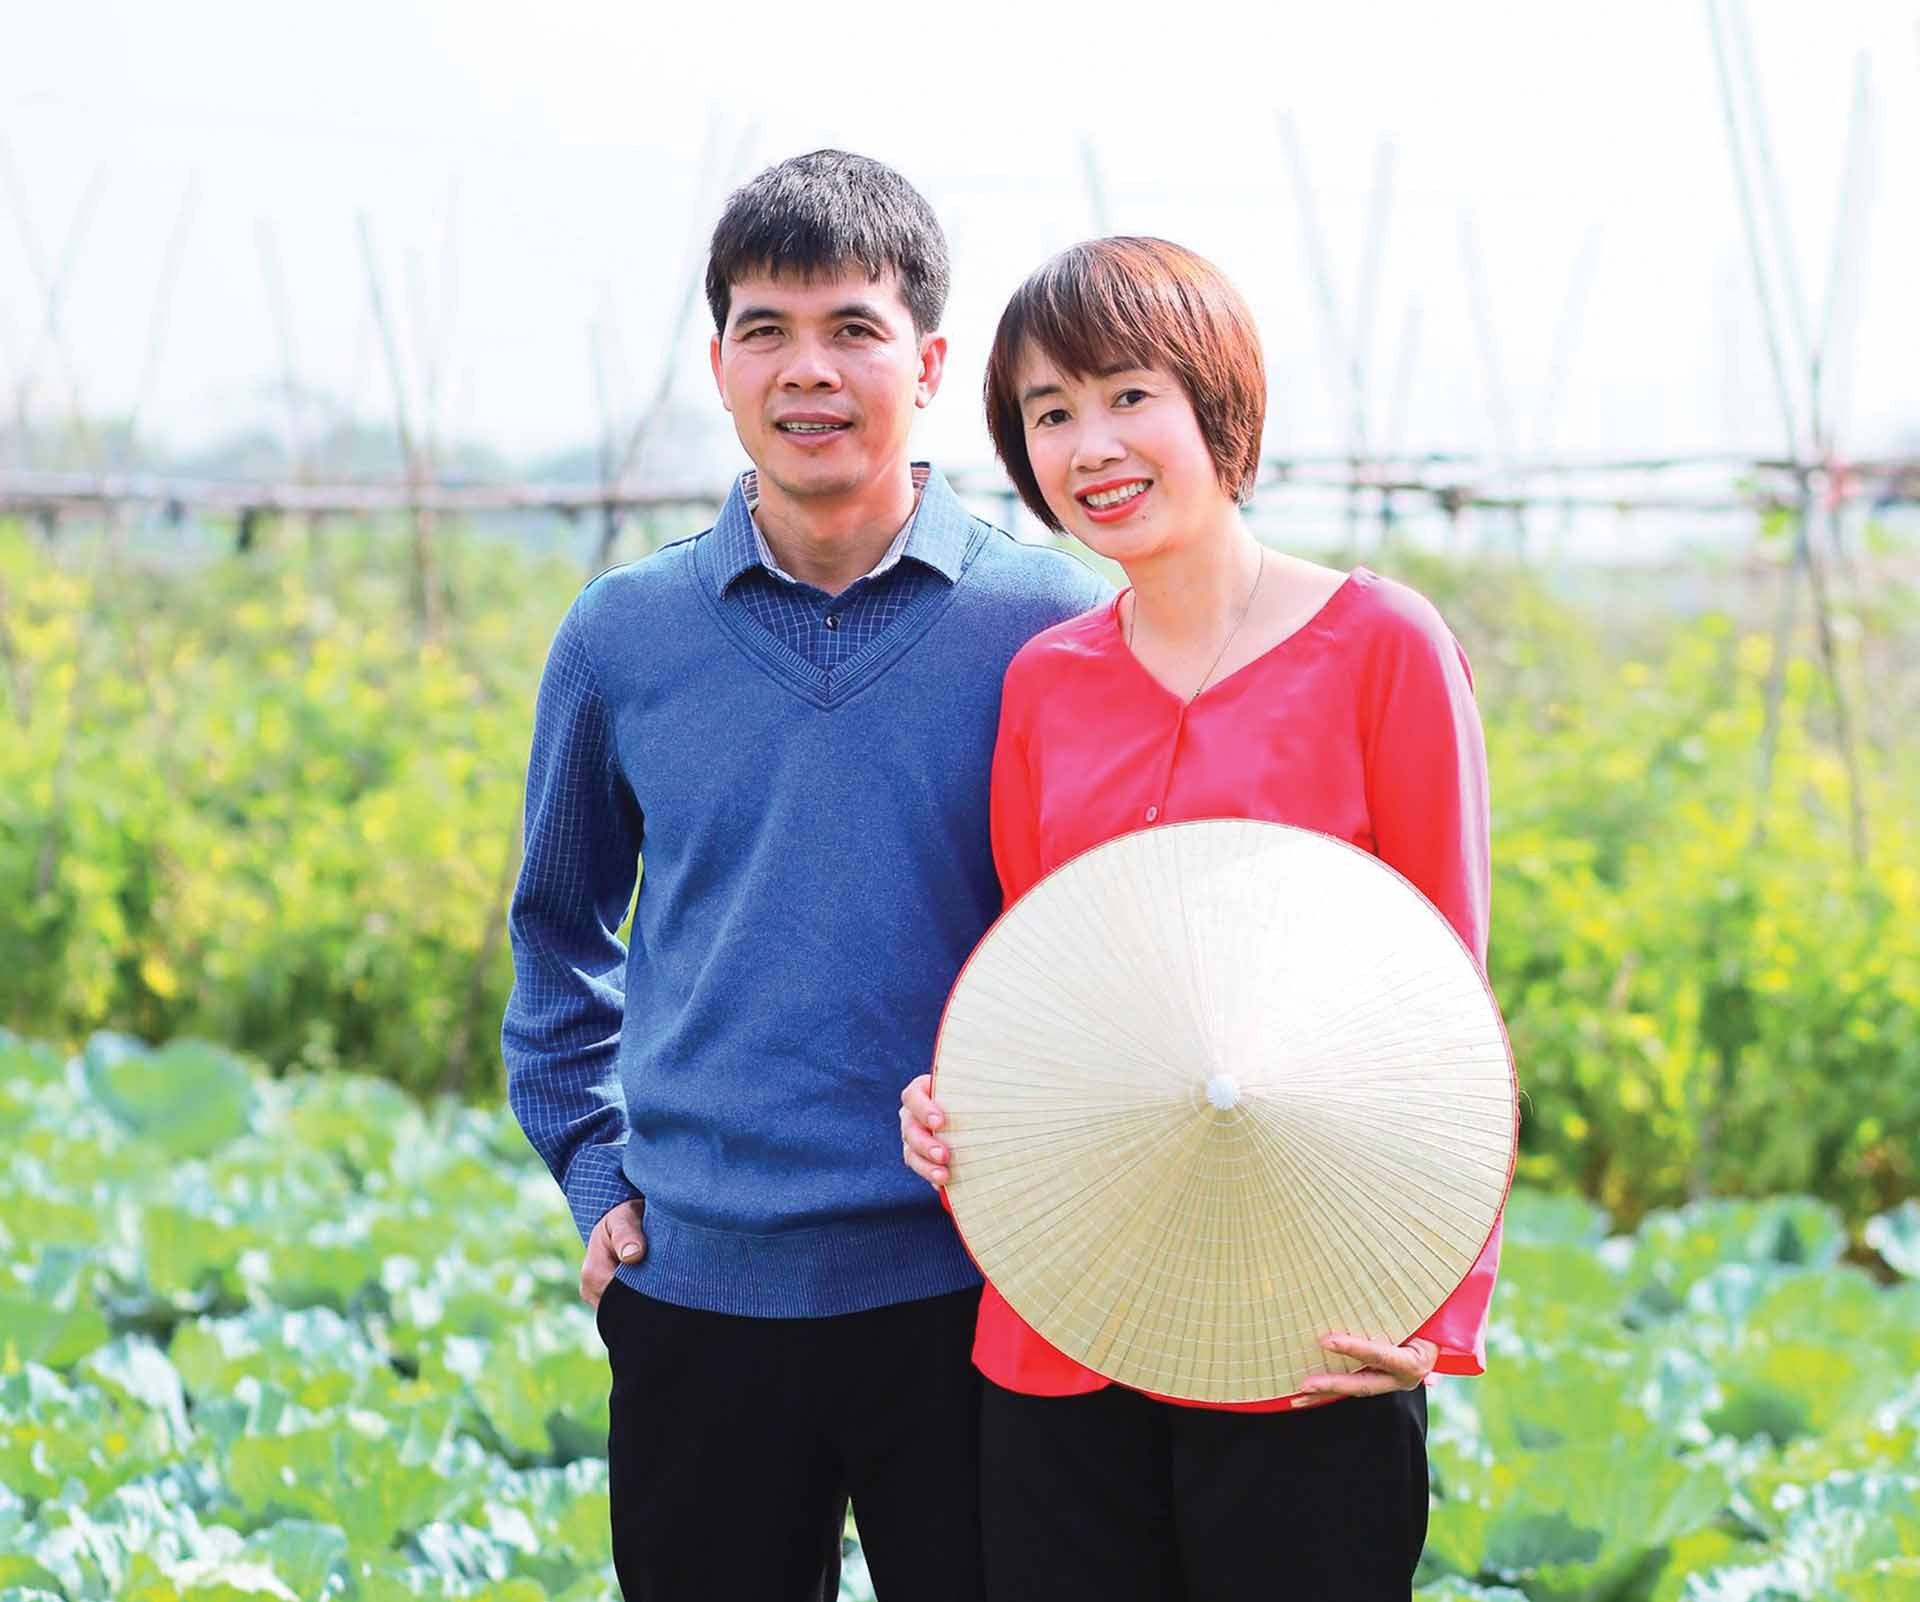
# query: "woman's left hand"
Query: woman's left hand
{"points": [[1389, 1368]]}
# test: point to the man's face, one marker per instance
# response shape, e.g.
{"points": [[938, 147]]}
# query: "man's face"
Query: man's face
{"points": [[823, 378]]}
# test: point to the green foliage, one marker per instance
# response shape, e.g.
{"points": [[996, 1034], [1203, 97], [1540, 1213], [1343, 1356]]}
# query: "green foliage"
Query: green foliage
{"points": [[315, 1341], [1712, 1407], [1608, 1453], [1896, 1237], [245, 802], [241, 800], [1706, 995], [188, 1098]]}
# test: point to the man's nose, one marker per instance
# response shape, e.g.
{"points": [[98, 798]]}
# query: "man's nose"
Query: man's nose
{"points": [[809, 366]]}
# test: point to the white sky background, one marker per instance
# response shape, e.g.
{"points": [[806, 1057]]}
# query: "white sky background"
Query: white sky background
{"points": [[573, 134]]}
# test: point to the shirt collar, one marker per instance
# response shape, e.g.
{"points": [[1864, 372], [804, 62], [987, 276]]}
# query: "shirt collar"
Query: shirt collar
{"points": [[935, 534]]}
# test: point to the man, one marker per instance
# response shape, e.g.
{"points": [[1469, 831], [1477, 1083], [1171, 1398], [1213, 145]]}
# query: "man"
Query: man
{"points": [[790, 717]]}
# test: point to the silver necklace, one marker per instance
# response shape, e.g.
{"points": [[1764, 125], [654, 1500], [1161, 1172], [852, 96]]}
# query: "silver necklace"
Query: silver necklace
{"points": [[1219, 656]]}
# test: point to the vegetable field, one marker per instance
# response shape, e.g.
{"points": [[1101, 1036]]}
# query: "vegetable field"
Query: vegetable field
{"points": [[308, 1337], [244, 801]]}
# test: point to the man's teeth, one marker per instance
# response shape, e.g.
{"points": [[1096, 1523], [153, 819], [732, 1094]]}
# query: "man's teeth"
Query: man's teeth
{"points": [[1114, 497], [811, 428]]}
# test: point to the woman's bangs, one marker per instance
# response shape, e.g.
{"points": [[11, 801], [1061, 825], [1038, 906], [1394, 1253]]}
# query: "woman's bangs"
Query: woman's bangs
{"points": [[1082, 325]]}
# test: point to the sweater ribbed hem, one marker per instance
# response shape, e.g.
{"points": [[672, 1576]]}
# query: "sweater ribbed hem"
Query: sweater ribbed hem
{"points": [[845, 1267]]}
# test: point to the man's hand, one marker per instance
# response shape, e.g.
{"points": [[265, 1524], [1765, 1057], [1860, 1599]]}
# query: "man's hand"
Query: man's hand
{"points": [[920, 1148], [1389, 1368], [616, 1239]]}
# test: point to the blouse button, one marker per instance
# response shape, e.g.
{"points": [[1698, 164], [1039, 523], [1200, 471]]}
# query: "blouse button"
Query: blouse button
{"points": [[1152, 813]]}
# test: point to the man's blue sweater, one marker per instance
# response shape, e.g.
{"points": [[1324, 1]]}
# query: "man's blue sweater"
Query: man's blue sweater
{"points": [[817, 868]]}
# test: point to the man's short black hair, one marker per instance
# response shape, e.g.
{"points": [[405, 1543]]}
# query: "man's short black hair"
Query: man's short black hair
{"points": [[822, 213]]}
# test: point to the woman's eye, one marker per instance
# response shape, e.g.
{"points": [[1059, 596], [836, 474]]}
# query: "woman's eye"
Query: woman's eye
{"points": [[1047, 419], [1129, 397]]}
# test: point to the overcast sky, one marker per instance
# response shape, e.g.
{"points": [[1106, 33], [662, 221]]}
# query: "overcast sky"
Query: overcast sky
{"points": [[567, 140]]}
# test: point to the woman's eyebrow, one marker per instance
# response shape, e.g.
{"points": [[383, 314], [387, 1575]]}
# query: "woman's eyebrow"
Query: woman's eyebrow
{"points": [[1038, 391]]}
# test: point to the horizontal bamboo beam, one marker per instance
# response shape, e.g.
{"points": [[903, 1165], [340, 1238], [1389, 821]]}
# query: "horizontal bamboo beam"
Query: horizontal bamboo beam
{"points": [[1450, 482], [64, 492]]}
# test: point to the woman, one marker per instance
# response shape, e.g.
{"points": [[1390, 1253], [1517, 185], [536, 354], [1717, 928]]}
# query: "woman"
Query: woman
{"points": [[1125, 395]]}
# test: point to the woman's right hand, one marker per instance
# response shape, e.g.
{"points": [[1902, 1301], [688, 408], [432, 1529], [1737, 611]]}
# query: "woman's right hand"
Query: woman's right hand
{"points": [[924, 1152]]}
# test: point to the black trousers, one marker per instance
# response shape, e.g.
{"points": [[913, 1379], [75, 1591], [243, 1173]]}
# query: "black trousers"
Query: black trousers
{"points": [[1115, 1497], [735, 1444]]}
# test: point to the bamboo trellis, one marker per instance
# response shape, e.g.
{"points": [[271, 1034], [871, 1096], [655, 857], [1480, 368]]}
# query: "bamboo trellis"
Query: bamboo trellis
{"points": [[1813, 482], [1450, 483]]}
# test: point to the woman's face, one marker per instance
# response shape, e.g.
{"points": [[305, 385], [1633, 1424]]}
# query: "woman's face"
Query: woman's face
{"points": [[1120, 458]]}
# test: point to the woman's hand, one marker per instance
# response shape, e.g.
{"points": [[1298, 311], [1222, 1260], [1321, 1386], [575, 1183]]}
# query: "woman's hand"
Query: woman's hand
{"points": [[1389, 1368], [926, 1155]]}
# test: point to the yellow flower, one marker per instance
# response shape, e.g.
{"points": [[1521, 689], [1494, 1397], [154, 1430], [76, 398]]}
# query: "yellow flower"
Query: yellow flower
{"points": [[157, 974]]}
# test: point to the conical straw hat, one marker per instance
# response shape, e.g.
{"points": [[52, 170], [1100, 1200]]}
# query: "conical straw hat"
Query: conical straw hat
{"points": [[1216, 1089]]}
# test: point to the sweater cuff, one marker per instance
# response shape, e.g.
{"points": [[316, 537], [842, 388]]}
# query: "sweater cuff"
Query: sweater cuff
{"points": [[595, 1183]]}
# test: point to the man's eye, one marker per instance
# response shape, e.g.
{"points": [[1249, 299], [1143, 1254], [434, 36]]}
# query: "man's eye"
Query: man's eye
{"points": [[858, 328], [755, 333]]}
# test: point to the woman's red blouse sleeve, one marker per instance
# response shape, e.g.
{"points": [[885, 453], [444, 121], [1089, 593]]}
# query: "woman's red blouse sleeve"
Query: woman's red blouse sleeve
{"points": [[1426, 766]]}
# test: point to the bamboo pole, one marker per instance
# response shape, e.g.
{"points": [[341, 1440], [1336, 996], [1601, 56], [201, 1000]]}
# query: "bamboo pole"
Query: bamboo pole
{"points": [[455, 1070], [161, 320], [1335, 348], [19, 689], [1365, 304], [690, 295], [16, 390], [1744, 187], [298, 446], [1499, 412], [426, 588], [1842, 701], [611, 518], [53, 279], [1744, 485]]}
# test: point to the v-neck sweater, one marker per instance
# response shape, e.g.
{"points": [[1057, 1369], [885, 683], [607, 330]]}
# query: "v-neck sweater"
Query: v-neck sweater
{"points": [[1360, 724], [817, 868]]}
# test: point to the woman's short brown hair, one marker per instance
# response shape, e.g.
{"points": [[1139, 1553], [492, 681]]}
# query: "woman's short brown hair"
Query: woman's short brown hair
{"points": [[1134, 302]]}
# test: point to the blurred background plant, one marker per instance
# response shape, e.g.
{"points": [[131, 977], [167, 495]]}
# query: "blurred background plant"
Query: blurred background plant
{"points": [[242, 799]]}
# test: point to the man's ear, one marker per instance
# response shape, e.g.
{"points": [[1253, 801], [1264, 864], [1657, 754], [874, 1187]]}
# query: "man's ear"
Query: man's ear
{"points": [[713, 356], [933, 367]]}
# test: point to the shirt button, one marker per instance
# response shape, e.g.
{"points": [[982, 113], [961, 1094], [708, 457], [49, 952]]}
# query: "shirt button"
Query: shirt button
{"points": [[1152, 813], [832, 621]]}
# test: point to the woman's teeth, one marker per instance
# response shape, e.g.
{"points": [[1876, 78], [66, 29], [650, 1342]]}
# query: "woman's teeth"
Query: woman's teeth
{"points": [[1114, 497]]}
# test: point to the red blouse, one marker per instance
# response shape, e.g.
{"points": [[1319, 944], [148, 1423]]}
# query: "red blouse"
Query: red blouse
{"points": [[1361, 724]]}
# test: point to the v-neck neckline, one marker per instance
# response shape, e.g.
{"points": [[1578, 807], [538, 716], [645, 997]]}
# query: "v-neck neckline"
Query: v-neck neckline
{"points": [[1307, 625], [825, 688]]}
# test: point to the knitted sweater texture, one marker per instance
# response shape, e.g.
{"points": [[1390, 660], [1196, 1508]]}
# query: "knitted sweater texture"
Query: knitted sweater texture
{"points": [[816, 869]]}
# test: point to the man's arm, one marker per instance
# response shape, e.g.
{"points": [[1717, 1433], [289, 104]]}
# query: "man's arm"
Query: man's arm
{"points": [[561, 1034]]}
